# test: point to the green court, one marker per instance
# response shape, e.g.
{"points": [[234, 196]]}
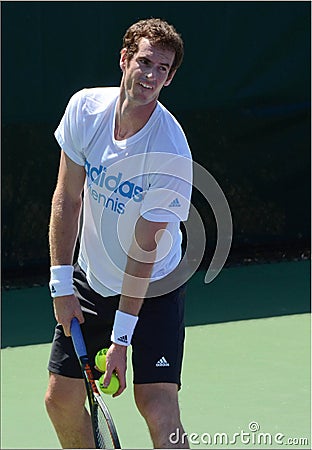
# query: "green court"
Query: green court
{"points": [[246, 376]]}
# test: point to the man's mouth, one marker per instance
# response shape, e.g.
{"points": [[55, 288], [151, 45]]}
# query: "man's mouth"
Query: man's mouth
{"points": [[146, 86]]}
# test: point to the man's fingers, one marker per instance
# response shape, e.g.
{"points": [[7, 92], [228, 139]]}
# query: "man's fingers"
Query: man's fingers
{"points": [[107, 378], [116, 363], [122, 387], [66, 328], [66, 307], [67, 325], [122, 382], [121, 379], [80, 317]]}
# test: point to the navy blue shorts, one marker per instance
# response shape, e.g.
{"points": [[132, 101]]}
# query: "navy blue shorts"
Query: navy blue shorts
{"points": [[157, 343]]}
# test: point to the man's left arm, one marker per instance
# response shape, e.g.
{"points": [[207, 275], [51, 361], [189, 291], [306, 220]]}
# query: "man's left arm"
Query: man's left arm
{"points": [[140, 261]]}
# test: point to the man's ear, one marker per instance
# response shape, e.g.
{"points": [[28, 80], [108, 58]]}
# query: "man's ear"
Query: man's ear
{"points": [[170, 78], [123, 59]]}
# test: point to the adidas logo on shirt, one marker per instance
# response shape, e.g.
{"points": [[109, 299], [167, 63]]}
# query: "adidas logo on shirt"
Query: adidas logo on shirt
{"points": [[123, 339], [53, 290], [162, 362], [174, 203]]}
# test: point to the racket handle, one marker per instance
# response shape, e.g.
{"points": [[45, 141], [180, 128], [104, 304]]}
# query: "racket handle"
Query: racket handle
{"points": [[77, 338]]}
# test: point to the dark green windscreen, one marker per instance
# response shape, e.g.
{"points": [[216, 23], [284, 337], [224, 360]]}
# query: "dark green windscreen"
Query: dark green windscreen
{"points": [[242, 96]]}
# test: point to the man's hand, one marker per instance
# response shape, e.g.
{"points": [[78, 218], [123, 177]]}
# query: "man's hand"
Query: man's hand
{"points": [[65, 309], [116, 361]]}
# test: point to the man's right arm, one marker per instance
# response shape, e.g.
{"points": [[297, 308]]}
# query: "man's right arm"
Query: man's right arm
{"points": [[63, 232]]}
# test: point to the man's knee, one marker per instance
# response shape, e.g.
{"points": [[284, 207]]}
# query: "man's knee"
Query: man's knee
{"points": [[64, 395], [158, 403]]}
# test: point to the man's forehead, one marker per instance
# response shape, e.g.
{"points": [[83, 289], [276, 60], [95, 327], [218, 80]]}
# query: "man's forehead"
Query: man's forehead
{"points": [[148, 49]]}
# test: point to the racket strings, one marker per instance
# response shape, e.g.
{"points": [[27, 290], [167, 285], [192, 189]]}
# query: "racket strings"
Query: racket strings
{"points": [[103, 435]]}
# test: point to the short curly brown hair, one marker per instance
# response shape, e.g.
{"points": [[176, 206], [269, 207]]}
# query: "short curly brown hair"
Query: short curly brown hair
{"points": [[158, 32]]}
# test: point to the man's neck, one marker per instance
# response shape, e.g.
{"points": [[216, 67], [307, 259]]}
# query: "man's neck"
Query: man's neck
{"points": [[131, 118]]}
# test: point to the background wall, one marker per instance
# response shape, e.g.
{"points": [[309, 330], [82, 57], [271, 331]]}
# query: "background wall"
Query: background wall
{"points": [[242, 97]]}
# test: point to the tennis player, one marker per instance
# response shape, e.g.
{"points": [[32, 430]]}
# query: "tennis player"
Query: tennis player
{"points": [[126, 172]]}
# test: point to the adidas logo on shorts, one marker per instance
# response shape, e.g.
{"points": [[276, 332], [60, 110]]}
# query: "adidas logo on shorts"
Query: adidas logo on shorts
{"points": [[162, 362]]}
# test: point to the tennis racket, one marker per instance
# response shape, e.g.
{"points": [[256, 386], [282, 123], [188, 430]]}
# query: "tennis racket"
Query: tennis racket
{"points": [[104, 431]]}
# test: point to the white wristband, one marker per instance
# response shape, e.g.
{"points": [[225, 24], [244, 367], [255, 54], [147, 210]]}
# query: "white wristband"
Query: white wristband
{"points": [[123, 328], [61, 281]]}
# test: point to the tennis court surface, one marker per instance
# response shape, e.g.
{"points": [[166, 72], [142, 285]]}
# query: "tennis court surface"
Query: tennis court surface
{"points": [[246, 375]]}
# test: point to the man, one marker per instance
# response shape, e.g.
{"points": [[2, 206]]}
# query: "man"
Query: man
{"points": [[131, 158]]}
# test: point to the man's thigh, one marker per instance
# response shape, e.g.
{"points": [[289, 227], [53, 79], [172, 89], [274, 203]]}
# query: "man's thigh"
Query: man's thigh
{"points": [[158, 340]]}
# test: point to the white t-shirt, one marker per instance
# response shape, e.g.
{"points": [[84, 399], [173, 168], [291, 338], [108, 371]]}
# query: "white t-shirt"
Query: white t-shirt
{"points": [[148, 174]]}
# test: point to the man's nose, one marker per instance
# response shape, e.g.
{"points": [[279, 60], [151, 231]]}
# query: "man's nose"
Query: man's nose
{"points": [[149, 74]]}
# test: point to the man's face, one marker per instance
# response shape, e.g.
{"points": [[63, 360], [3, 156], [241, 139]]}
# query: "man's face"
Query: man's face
{"points": [[147, 72]]}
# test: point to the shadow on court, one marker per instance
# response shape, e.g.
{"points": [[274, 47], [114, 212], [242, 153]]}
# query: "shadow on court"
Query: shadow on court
{"points": [[239, 293], [250, 292]]}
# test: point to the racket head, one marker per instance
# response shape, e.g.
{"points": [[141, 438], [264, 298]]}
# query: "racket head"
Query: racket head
{"points": [[103, 425], [104, 430]]}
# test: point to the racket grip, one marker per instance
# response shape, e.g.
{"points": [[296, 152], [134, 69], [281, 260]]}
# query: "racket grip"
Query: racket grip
{"points": [[77, 338]]}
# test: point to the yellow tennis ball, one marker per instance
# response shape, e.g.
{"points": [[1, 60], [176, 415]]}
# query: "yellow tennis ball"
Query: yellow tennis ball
{"points": [[100, 359], [113, 386]]}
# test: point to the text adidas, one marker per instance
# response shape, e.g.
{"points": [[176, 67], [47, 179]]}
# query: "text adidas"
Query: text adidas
{"points": [[113, 183]]}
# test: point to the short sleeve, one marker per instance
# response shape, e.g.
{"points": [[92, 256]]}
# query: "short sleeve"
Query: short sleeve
{"points": [[169, 191], [69, 133]]}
